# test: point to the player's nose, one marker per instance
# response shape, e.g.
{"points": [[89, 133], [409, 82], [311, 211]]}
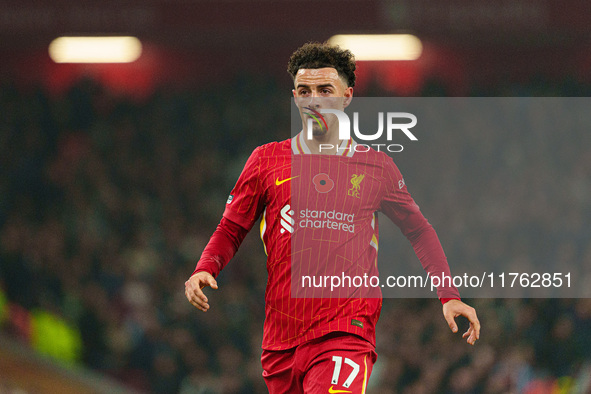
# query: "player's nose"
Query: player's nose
{"points": [[314, 100]]}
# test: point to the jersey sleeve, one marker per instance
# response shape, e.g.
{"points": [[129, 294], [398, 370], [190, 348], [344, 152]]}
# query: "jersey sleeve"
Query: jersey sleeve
{"points": [[400, 207], [246, 201], [222, 246], [397, 204]]}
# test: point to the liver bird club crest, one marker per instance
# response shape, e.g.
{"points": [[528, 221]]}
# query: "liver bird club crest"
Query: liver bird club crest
{"points": [[355, 181]]}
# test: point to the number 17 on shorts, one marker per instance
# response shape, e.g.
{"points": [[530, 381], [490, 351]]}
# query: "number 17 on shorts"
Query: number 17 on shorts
{"points": [[338, 363], [341, 371]]}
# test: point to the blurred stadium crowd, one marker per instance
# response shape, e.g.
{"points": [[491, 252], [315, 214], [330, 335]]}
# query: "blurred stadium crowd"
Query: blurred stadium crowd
{"points": [[106, 204]]}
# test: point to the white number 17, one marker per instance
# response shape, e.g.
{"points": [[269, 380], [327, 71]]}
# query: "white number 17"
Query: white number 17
{"points": [[338, 360]]}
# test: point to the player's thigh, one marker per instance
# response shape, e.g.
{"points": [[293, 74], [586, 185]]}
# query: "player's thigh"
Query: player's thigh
{"points": [[279, 372], [341, 370]]}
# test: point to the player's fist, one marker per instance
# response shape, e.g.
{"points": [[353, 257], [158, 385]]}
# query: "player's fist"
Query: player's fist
{"points": [[194, 289], [455, 308]]}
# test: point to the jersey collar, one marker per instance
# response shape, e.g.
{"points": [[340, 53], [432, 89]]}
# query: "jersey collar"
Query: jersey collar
{"points": [[298, 146]]}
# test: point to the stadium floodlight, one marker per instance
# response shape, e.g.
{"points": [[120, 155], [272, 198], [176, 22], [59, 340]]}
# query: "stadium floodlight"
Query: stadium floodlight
{"points": [[95, 49], [380, 46]]}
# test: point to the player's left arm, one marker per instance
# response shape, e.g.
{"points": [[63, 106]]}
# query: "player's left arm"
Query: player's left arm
{"points": [[428, 249], [400, 207]]}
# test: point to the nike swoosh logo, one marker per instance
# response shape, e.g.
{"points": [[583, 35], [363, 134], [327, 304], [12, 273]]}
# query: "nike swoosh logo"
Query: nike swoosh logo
{"points": [[278, 182], [332, 391]]}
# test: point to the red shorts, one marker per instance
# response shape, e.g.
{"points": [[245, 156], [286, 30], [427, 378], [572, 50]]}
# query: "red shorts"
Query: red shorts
{"points": [[335, 363]]}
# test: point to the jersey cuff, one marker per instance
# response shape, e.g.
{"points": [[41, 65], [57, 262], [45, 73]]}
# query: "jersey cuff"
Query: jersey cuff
{"points": [[209, 267], [444, 300]]}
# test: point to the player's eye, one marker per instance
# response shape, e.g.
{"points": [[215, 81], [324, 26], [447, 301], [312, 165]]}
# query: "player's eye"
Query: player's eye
{"points": [[303, 92]]}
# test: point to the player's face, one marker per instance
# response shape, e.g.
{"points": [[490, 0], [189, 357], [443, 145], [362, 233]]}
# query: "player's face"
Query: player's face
{"points": [[319, 88]]}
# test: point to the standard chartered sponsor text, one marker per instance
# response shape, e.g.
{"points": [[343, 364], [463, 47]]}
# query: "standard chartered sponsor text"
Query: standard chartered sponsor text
{"points": [[327, 219]]}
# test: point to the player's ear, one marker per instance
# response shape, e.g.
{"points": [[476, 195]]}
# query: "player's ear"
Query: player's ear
{"points": [[348, 97], [294, 92]]}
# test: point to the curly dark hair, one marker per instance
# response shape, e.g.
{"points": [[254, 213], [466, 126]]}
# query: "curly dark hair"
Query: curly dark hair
{"points": [[320, 55]]}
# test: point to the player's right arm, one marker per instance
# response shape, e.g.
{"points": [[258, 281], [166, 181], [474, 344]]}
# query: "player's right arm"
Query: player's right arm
{"points": [[220, 249], [243, 208]]}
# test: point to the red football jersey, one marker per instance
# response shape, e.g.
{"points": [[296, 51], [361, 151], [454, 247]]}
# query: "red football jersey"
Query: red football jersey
{"points": [[318, 218]]}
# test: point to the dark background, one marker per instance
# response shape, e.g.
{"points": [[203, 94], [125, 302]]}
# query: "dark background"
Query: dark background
{"points": [[113, 177]]}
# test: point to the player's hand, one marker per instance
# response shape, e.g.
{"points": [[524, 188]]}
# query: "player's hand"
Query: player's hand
{"points": [[194, 289], [455, 308]]}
